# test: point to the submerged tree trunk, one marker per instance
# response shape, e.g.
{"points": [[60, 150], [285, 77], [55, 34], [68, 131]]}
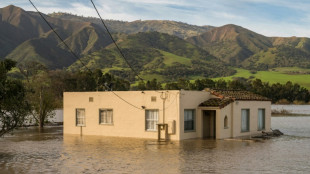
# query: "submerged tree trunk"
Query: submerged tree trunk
{"points": [[41, 120], [41, 124]]}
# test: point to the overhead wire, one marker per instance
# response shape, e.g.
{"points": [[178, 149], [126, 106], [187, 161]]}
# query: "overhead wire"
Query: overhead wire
{"points": [[127, 101], [141, 108], [120, 51], [59, 37], [122, 55]]}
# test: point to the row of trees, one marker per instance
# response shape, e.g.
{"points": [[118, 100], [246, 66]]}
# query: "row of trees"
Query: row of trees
{"points": [[35, 92], [287, 93]]}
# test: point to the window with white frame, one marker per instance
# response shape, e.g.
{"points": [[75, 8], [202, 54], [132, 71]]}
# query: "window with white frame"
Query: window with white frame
{"points": [[80, 117], [151, 120], [261, 119], [189, 119], [245, 120], [105, 116]]}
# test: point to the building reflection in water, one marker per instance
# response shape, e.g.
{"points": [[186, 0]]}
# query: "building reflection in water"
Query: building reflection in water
{"points": [[113, 154], [48, 151]]}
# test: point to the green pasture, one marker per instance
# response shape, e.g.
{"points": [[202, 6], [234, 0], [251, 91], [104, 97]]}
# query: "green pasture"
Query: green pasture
{"points": [[278, 75]]}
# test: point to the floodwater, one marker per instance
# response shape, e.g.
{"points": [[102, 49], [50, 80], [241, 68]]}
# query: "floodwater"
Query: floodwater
{"points": [[48, 151], [294, 109]]}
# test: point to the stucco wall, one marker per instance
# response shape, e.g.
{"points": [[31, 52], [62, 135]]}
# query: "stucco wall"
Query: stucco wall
{"points": [[128, 121], [222, 131], [191, 100], [253, 106], [233, 113]]}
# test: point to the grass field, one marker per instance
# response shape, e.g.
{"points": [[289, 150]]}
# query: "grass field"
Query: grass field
{"points": [[114, 68], [279, 75], [171, 58], [153, 76], [289, 70], [276, 75]]}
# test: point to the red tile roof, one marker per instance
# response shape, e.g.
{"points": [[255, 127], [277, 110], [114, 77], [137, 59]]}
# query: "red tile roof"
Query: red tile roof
{"points": [[225, 97], [217, 102], [239, 95]]}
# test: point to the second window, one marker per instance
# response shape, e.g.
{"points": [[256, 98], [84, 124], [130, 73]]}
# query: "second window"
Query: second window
{"points": [[245, 120], [151, 120], [189, 119], [105, 116]]}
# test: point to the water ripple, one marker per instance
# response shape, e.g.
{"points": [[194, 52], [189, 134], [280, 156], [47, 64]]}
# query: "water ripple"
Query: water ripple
{"points": [[48, 151]]}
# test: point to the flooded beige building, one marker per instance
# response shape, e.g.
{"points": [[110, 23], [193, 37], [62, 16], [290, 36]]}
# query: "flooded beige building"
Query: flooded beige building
{"points": [[166, 114]]}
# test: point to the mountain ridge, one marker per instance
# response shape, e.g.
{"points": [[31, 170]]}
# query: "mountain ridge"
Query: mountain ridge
{"points": [[180, 29], [81, 37], [158, 48], [154, 53], [231, 43]]}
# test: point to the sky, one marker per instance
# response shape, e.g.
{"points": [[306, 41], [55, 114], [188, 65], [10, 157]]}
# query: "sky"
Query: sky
{"points": [[268, 17]]}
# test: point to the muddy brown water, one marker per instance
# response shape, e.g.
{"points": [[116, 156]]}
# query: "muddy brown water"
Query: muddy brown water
{"points": [[48, 151]]}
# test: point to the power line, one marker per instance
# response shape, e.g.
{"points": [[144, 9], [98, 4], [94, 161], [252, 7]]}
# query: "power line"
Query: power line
{"points": [[122, 55], [77, 57], [126, 101], [82, 61], [137, 107], [120, 51], [123, 99]]}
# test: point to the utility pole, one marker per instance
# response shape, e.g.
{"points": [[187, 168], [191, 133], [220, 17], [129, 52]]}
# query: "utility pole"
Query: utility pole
{"points": [[163, 126], [163, 96]]}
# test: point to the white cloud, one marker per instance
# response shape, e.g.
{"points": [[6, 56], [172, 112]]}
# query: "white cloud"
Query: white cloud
{"points": [[225, 15], [162, 2]]}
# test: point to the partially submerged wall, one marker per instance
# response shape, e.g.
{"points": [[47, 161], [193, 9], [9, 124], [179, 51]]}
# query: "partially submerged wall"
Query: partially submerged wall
{"points": [[128, 107]]}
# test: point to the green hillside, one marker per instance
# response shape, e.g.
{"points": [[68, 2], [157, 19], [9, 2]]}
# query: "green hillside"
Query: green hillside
{"points": [[157, 55], [43, 50], [243, 48], [166, 50], [296, 42], [18, 26], [233, 44], [279, 56], [28, 38]]}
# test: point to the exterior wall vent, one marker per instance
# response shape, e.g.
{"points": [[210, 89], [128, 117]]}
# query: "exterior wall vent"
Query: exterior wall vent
{"points": [[153, 98], [91, 99]]}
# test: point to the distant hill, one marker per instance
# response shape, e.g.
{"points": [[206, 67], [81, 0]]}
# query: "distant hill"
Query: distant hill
{"points": [[233, 44], [25, 37], [44, 50], [179, 29], [166, 50], [18, 26], [283, 55], [156, 54], [241, 47]]}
